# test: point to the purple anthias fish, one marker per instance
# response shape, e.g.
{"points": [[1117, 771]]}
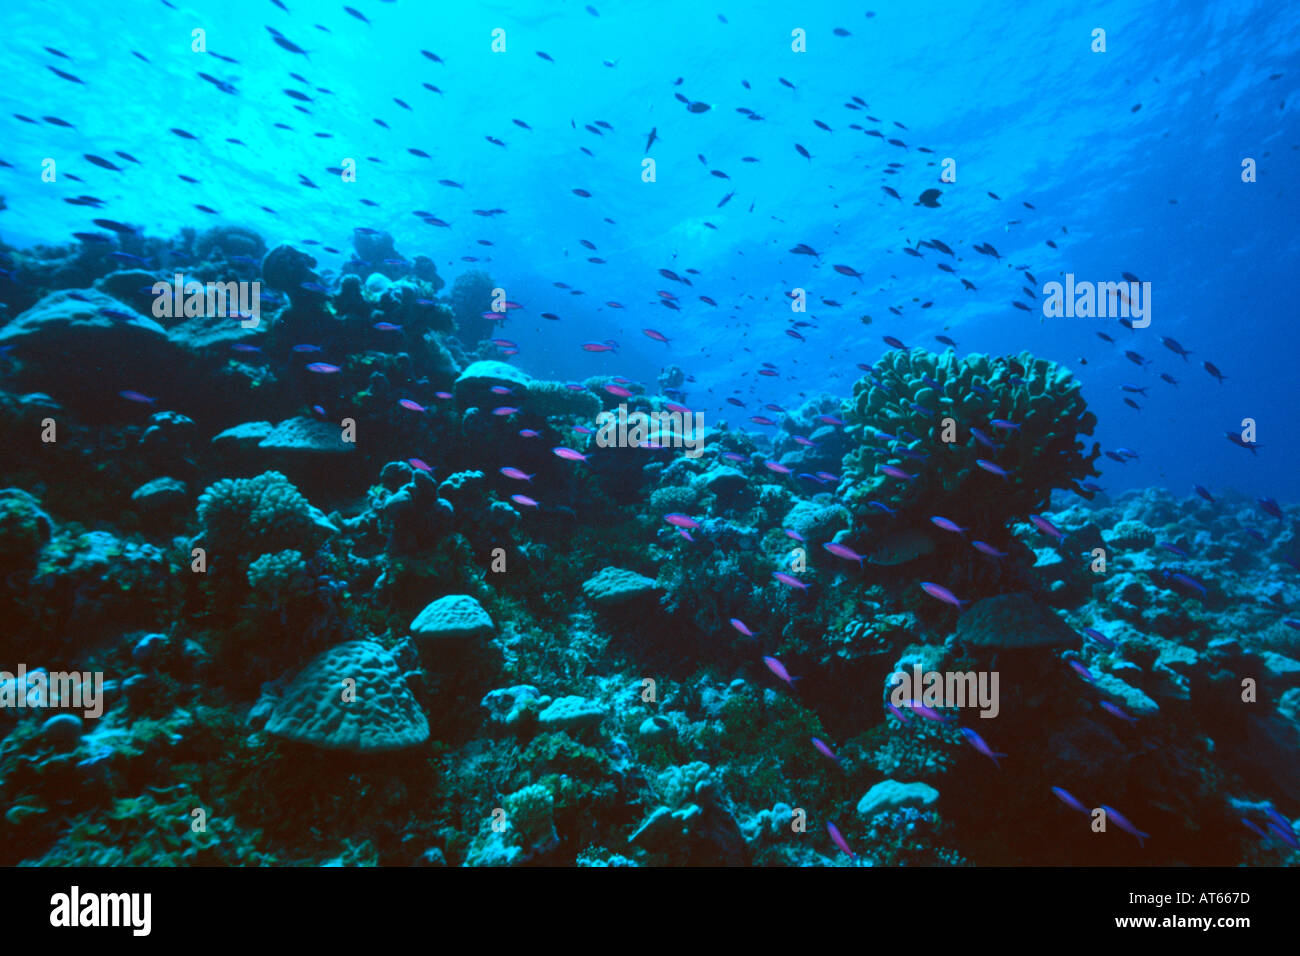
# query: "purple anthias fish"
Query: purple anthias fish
{"points": [[790, 533], [1046, 527], [978, 742], [1254, 829], [1081, 670], [947, 524], [777, 668], [1114, 711], [942, 593], [992, 468], [895, 472], [741, 626], [1069, 799], [984, 547], [824, 749], [900, 714], [1286, 835], [1122, 822], [789, 579], [929, 713], [1100, 638], [983, 439], [839, 840], [842, 551]]}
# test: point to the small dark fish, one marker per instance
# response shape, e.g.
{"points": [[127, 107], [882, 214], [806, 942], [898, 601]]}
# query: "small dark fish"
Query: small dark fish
{"points": [[698, 107], [930, 199], [803, 152], [358, 14], [545, 56], [102, 162], [1209, 367], [114, 226], [67, 76]]}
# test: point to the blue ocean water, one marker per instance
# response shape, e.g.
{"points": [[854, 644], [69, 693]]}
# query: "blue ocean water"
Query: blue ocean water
{"points": [[1014, 94]]}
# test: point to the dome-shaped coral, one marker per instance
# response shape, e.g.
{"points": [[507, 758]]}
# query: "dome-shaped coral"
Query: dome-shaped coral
{"points": [[931, 418]]}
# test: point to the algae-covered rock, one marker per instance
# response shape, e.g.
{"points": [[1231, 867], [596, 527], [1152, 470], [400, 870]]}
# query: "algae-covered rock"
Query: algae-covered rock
{"points": [[1013, 622], [455, 617], [571, 713], [613, 586], [890, 795], [306, 436], [379, 713]]}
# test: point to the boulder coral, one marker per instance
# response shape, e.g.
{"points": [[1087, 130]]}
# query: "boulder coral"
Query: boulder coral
{"points": [[925, 415]]}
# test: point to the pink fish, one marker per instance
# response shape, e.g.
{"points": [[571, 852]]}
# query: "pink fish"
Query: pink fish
{"points": [[947, 525], [529, 433], [894, 472], [806, 442], [790, 580], [568, 454], [419, 464], [790, 533], [387, 327], [618, 391], [761, 420], [827, 476], [900, 714], [838, 838], [1114, 711], [504, 343], [740, 625], [929, 713], [1122, 822], [733, 456], [411, 405], [323, 368], [986, 548], [992, 468], [1081, 670], [842, 551], [523, 500], [139, 397], [678, 520], [505, 411], [824, 749], [500, 390], [942, 593], [442, 395], [777, 668], [674, 407], [583, 430], [657, 336], [596, 347], [686, 534], [1046, 527], [776, 466], [976, 741], [516, 474], [830, 419]]}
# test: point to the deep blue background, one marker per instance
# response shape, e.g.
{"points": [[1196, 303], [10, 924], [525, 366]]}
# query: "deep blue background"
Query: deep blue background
{"points": [[1013, 92]]}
